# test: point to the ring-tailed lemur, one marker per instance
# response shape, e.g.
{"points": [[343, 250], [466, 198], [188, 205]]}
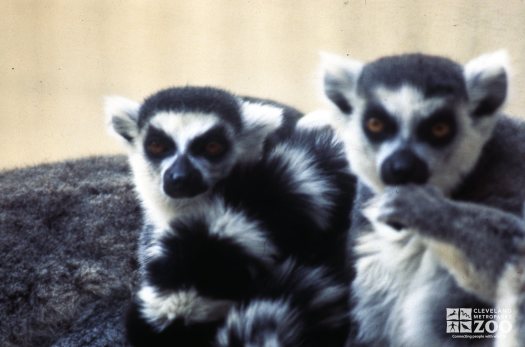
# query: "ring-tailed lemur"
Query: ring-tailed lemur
{"points": [[437, 218], [230, 189]]}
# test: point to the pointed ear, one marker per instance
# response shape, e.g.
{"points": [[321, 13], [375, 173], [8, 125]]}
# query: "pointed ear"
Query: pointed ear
{"points": [[122, 117], [486, 78], [340, 77]]}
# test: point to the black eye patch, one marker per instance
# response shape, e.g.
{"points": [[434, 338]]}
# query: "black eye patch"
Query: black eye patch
{"points": [[378, 124], [213, 145], [158, 145], [439, 129]]}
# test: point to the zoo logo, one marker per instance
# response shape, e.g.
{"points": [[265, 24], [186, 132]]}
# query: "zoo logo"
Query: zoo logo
{"points": [[459, 320], [462, 321]]}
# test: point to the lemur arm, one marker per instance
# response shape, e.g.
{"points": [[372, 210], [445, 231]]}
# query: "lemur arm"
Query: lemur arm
{"points": [[474, 242]]}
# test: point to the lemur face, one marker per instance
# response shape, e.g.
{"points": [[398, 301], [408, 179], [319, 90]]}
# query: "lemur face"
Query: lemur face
{"points": [[409, 137], [416, 119], [181, 140], [187, 152]]}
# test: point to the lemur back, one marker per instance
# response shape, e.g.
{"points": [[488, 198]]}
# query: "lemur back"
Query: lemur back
{"points": [[437, 220], [285, 197]]}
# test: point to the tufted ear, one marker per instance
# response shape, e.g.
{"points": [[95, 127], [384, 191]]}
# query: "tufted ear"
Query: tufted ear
{"points": [[340, 77], [486, 79], [122, 117]]}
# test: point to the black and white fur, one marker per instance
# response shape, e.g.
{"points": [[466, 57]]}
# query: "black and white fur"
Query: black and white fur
{"points": [[274, 193], [248, 121], [437, 218], [295, 306]]}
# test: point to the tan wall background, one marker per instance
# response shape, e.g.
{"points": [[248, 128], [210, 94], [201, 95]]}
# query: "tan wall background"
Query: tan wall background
{"points": [[58, 58]]}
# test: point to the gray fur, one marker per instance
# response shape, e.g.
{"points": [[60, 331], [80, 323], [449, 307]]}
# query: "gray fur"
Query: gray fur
{"points": [[452, 240], [68, 239], [428, 213]]}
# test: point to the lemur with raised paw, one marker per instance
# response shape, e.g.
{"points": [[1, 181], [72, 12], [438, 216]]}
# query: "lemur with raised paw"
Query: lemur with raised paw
{"points": [[437, 219]]}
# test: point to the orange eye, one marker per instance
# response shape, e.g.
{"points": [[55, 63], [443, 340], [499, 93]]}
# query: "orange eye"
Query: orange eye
{"points": [[375, 125], [214, 148], [440, 130], [156, 148]]}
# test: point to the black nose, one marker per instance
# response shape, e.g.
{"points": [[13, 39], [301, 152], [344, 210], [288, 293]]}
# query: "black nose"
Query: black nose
{"points": [[404, 167], [183, 180]]}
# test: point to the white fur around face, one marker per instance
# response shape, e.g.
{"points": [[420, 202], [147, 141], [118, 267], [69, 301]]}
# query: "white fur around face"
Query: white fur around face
{"points": [[159, 208], [447, 166], [161, 309], [409, 106], [451, 168], [407, 103], [122, 116], [361, 155], [184, 128]]}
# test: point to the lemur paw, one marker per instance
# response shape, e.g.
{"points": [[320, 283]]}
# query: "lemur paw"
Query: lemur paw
{"points": [[406, 207]]}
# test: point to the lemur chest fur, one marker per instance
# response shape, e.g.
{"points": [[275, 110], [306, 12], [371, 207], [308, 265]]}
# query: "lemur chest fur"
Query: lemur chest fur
{"points": [[399, 287]]}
